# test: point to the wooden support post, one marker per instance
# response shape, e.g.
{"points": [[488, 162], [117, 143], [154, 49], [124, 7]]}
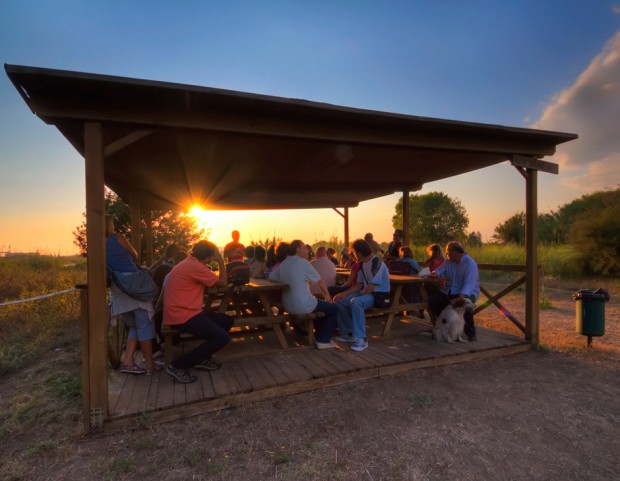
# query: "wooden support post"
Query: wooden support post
{"points": [[84, 336], [148, 218], [405, 218], [532, 294], [346, 227], [134, 210], [97, 378]]}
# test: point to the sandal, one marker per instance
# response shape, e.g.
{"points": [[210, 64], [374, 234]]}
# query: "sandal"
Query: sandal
{"points": [[133, 369]]}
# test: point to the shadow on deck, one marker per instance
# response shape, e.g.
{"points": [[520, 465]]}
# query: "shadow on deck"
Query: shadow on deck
{"points": [[253, 370]]}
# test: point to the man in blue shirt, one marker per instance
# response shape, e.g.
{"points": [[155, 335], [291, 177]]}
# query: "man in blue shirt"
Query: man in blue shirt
{"points": [[461, 272]]}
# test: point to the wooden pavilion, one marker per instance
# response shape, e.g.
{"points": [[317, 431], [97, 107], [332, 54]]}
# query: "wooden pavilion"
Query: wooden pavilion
{"points": [[167, 146]]}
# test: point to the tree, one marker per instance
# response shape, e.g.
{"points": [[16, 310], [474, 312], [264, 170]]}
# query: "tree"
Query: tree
{"points": [[168, 227], [512, 230], [433, 218], [595, 232]]}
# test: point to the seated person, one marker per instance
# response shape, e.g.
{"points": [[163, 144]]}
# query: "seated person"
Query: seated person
{"points": [[297, 273], [325, 268], [183, 300], [331, 256], [406, 255], [435, 257], [249, 255], [394, 246], [373, 277], [257, 268]]}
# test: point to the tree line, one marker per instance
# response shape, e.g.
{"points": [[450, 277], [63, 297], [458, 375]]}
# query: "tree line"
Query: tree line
{"points": [[590, 224]]}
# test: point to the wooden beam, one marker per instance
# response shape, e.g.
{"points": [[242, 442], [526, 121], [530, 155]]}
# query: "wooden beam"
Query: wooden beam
{"points": [[263, 123], [126, 141], [532, 294], [98, 311]]}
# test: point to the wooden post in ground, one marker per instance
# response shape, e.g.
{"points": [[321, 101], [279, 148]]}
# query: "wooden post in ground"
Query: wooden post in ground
{"points": [[97, 307], [84, 346], [532, 293], [405, 218], [134, 211], [148, 219]]}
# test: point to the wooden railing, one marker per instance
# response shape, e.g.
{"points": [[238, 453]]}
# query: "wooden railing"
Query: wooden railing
{"points": [[525, 328]]}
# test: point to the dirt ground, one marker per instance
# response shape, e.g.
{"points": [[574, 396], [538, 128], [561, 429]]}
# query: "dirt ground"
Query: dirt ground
{"points": [[549, 414]]}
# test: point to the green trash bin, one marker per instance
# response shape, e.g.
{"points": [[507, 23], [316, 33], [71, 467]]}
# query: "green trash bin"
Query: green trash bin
{"points": [[590, 312]]}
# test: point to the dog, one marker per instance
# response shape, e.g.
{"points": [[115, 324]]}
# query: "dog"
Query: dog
{"points": [[450, 325]]}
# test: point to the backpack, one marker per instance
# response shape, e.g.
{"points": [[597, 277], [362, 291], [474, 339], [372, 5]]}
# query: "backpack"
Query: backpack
{"points": [[400, 267], [238, 273]]}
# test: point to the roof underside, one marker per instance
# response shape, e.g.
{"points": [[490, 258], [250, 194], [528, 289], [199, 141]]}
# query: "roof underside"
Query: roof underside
{"points": [[177, 145]]}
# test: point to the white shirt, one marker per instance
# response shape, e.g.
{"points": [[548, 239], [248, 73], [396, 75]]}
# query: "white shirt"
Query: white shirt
{"points": [[297, 273], [327, 271]]}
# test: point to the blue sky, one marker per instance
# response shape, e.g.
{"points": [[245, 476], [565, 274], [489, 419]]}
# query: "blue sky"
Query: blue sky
{"points": [[552, 64]]}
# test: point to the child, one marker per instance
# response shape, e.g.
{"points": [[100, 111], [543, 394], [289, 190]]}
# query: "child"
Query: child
{"points": [[435, 257]]}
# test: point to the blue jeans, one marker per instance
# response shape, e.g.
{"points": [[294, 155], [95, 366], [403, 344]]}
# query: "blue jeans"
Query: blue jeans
{"points": [[351, 317], [324, 326], [213, 327], [139, 324]]}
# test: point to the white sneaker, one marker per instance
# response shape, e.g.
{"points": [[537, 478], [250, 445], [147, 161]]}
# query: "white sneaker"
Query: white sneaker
{"points": [[359, 344], [345, 338], [326, 345]]}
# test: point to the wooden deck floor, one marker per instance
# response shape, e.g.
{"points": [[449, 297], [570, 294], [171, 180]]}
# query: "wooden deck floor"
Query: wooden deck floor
{"points": [[253, 369]]}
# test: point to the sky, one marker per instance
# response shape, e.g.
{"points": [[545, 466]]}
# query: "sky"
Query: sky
{"points": [[552, 65]]}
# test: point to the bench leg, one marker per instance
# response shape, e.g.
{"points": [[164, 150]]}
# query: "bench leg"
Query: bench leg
{"points": [[310, 330], [168, 350], [280, 335]]}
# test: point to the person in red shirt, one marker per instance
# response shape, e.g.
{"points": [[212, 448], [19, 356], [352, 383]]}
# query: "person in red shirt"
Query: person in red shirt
{"points": [[183, 298], [235, 250]]}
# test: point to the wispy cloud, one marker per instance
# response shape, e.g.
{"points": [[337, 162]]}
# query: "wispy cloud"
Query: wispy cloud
{"points": [[591, 108]]}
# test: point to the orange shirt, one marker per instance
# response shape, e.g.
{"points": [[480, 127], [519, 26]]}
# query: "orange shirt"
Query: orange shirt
{"points": [[184, 290]]}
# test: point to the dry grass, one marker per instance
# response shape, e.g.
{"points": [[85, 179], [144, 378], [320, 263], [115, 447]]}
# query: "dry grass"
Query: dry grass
{"points": [[543, 415]]}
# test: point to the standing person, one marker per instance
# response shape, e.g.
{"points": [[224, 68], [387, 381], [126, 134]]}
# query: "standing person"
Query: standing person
{"points": [[461, 272], [373, 278], [325, 268], [234, 251], [183, 299], [297, 273], [435, 257], [374, 245], [394, 246], [120, 256]]}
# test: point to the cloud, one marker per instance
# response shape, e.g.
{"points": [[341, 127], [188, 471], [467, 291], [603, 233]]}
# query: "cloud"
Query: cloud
{"points": [[591, 108]]}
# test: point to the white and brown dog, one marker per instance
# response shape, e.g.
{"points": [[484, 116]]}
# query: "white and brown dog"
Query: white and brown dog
{"points": [[450, 324]]}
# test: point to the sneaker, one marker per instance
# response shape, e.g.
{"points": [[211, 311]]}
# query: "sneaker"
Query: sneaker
{"points": [[157, 354], [209, 365], [326, 345], [181, 375], [359, 344], [345, 338], [133, 369]]}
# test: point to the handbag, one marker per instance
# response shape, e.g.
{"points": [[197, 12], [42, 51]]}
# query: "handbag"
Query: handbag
{"points": [[382, 299], [139, 285]]}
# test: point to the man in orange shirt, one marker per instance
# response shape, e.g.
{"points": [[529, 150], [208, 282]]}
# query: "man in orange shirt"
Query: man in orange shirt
{"points": [[183, 299]]}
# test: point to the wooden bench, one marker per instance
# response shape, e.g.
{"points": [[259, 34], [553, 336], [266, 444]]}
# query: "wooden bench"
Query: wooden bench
{"points": [[391, 312], [273, 322]]}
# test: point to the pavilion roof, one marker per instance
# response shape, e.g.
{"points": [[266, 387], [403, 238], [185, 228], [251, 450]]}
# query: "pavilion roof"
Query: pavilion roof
{"points": [[177, 145]]}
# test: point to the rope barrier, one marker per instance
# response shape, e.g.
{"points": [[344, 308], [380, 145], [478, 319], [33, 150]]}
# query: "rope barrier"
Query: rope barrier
{"points": [[38, 297]]}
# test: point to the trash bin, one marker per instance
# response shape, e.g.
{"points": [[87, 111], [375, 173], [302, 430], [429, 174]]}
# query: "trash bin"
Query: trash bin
{"points": [[590, 312]]}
